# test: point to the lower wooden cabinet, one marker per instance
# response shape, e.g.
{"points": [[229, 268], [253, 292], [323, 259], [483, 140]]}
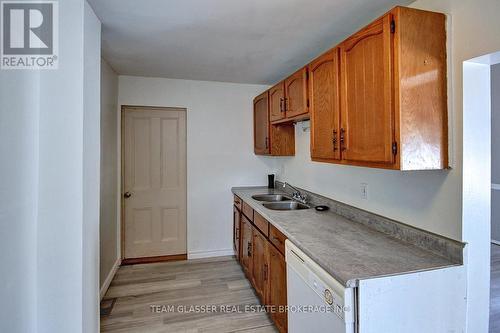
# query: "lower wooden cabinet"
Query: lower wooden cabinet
{"points": [[263, 262], [236, 232], [260, 258], [277, 288], [246, 246]]}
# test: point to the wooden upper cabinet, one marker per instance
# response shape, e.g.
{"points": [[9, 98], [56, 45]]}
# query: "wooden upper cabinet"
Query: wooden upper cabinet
{"points": [[325, 106], [260, 258], [393, 93], [367, 131], [275, 140], [296, 94], [378, 99], [262, 145], [277, 102], [288, 99], [420, 88]]}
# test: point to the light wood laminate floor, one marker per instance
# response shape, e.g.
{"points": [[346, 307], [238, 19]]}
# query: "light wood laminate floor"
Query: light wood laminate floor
{"points": [[495, 289], [217, 282]]}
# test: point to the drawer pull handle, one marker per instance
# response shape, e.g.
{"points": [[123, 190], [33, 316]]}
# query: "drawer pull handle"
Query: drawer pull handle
{"points": [[279, 240]]}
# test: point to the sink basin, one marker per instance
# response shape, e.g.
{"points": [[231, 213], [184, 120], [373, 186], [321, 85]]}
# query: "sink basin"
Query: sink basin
{"points": [[285, 205], [271, 197]]}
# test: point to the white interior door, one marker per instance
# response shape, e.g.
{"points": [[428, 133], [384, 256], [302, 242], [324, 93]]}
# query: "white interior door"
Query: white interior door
{"points": [[154, 181]]}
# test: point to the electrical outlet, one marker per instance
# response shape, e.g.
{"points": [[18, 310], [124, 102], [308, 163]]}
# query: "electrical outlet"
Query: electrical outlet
{"points": [[364, 191]]}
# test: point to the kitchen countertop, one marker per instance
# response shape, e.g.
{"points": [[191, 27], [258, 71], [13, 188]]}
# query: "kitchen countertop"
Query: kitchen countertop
{"points": [[347, 250]]}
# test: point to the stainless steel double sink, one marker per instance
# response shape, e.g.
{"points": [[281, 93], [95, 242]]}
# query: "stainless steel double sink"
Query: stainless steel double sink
{"points": [[279, 202]]}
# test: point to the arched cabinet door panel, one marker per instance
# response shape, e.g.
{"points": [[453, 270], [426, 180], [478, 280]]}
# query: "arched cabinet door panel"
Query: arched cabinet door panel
{"points": [[325, 106], [262, 144], [277, 102], [296, 94], [367, 131]]}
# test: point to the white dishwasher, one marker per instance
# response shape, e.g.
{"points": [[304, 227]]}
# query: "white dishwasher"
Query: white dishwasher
{"points": [[317, 303]]}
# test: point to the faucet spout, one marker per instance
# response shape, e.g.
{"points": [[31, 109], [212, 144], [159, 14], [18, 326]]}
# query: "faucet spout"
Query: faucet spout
{"points": [[297, 195]]}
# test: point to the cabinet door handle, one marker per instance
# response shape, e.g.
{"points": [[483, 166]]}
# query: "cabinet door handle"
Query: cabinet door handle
{"points": [[265, 272], [277, 239], [281, 105], [342, 140], [267, 142], [335, 140], [249, 249], [287, 104]]}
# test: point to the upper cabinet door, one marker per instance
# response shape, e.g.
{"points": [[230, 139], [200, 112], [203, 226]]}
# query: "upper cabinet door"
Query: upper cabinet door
{"points": [[277, 102], [325, 106], [262, 146], [296, 94], [367, 132]]}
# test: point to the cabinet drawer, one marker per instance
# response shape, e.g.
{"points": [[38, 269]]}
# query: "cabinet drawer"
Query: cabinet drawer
{"points": [[237, 202], [247, 210], [261, 223], [277, 238]]}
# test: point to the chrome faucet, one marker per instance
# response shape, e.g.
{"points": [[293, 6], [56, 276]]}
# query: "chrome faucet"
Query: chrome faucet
{"points": [[297, 195]]}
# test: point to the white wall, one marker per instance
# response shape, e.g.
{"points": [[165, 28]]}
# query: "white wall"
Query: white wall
{"points": [[495, 152], [219, 150], [426, 199], [476, 191], [108, 232], [46, 286], [60, 200], [429, 200], [91, 167], [18, 199], [473, 33]]}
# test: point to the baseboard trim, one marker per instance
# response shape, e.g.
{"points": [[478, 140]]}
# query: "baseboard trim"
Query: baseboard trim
{"points": [[495, 242], [210, 253], [149, 260], [109, 278]]}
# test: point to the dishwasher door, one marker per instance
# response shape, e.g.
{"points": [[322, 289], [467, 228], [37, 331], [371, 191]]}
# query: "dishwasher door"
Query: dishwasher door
{"points": [[317, 303]]}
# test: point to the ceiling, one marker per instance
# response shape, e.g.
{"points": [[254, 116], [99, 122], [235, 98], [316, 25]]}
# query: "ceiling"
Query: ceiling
{"points": [[243, 41]]}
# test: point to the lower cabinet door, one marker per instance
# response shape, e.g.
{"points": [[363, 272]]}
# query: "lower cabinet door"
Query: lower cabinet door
{"points": [[236, 232], [260, 257], [246, 246], [277, 288]]}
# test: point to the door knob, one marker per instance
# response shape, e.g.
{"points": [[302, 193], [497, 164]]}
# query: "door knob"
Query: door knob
{"points": [[127, 195]]}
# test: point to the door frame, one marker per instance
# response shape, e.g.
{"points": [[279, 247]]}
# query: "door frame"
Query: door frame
{"points": [[144, 260]]}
